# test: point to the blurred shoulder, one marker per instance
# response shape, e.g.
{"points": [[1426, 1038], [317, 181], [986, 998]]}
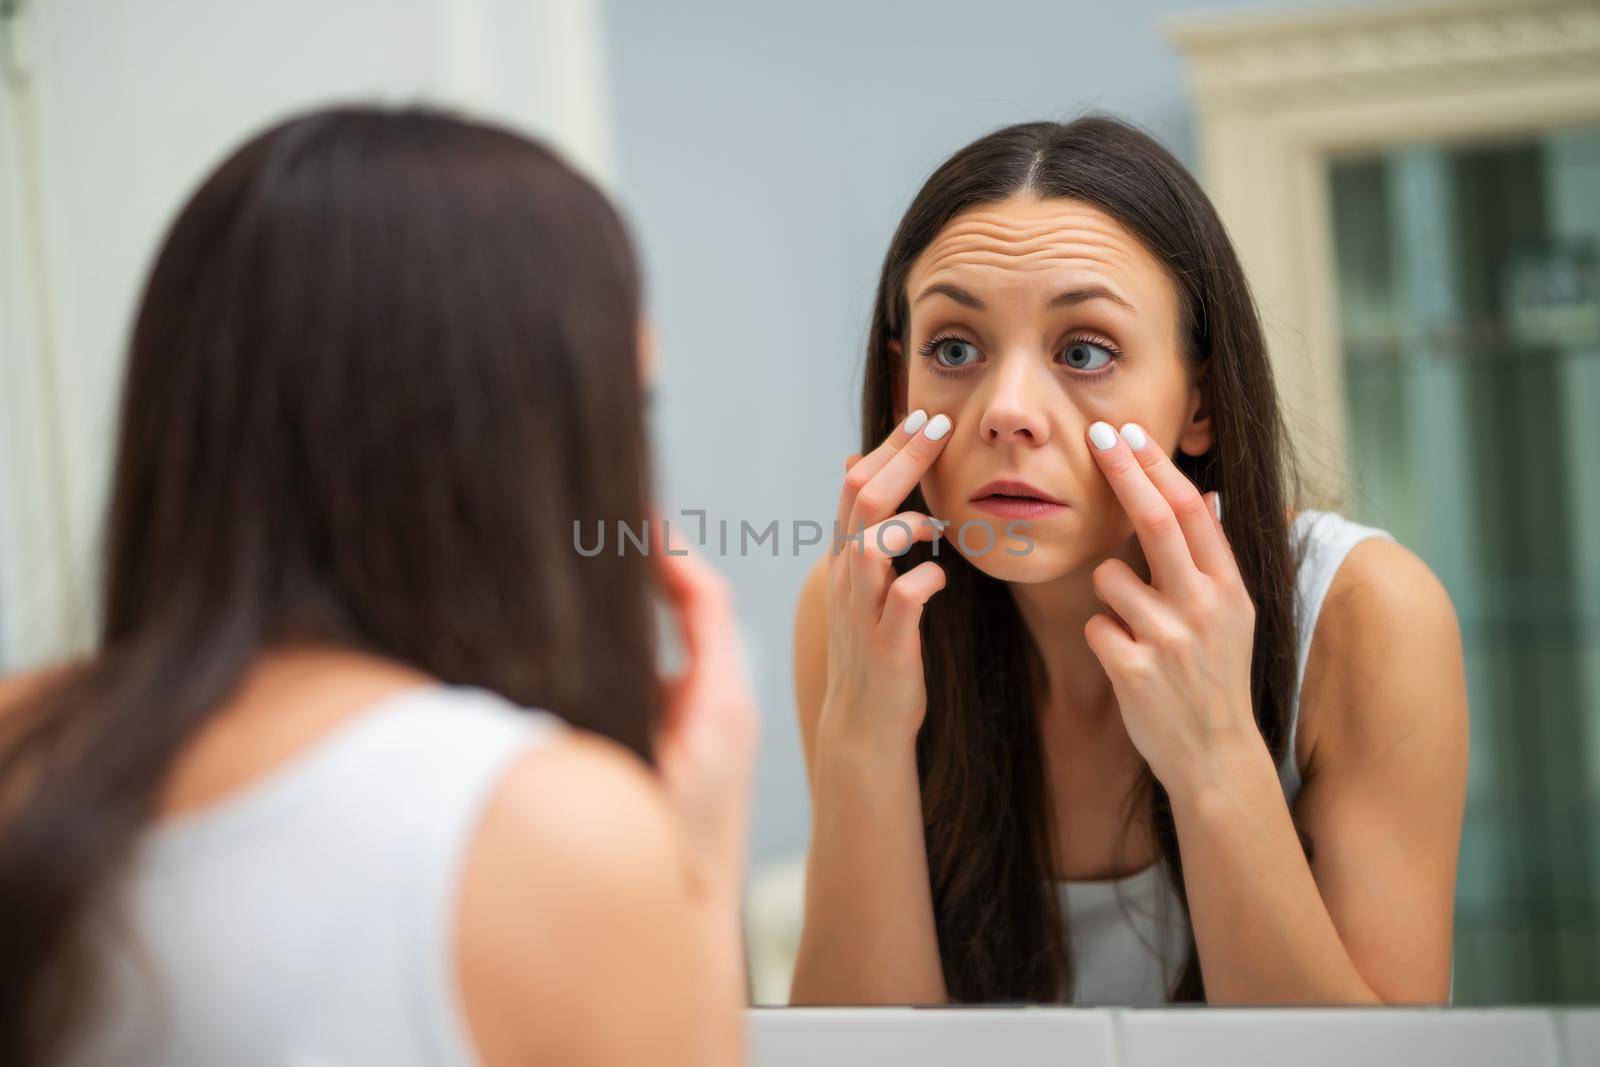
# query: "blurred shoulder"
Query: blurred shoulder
{"points": [[577, 783], [575, 897]]}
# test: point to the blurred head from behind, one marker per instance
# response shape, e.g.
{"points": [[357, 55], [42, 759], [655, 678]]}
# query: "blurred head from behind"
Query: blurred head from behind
{"points": [[385, 359]]}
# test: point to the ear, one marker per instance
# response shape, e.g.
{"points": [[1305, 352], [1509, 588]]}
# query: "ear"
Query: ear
{"points": [[1198, 434], [897, 380]]}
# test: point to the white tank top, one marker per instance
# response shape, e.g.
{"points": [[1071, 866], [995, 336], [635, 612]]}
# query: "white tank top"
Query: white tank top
{"points": [[308, 920], [1129, 936]]}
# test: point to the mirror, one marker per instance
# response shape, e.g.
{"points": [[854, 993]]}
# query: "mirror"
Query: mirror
{"points": [[1421, 240], [1342, 266]]}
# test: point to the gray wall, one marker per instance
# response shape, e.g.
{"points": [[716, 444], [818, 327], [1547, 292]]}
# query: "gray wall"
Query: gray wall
{"points": [[765, 154]]}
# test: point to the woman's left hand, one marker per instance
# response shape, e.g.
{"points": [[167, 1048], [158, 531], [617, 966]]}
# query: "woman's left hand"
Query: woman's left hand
{"points": [[1179, 658]]}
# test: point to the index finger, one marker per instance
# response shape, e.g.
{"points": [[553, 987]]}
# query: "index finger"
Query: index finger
{"points": [[1152, 491], [881, 496], [860, 472]]}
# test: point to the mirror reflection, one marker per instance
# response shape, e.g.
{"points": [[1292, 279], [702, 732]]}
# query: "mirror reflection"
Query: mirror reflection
{"points": [[1118, 744]]}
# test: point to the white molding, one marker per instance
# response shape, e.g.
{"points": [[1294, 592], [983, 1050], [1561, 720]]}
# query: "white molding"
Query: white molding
{"points": [[1280, 95], [1280, 60], [41, 590]]}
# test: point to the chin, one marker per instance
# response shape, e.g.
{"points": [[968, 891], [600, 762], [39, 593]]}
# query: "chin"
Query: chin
{"points": [[1034, 552]]}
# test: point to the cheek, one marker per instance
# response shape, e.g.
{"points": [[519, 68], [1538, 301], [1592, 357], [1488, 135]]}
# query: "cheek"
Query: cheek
{"points": [[1123, 397], [1105, 405], [938, 478], [934, 395], [933, 392]]}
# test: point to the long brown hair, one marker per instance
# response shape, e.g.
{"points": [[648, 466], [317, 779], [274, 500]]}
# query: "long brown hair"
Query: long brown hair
{"points": [[986, 816], [383, 363]]}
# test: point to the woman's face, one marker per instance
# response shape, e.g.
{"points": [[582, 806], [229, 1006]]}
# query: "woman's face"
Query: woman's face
{"points": [[1029, 320]]}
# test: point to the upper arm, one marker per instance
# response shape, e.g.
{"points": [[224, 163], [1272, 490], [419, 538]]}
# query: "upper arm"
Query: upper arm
{"points": [[1386, 778], [579, 937], [811, 656]]}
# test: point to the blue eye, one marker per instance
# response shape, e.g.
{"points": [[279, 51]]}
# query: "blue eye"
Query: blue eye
{"points": [[954, 352], [1079, 355]]}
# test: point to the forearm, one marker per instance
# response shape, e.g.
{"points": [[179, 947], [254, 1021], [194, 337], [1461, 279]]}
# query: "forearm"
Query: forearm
{"points": [[869, 934], [1261, 927]]}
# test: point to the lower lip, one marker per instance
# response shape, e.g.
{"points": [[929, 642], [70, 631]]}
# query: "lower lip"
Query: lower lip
{"points": [[1017, 507]]}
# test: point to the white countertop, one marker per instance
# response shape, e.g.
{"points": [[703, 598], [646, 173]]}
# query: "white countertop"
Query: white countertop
{"points": [[1194, 1037]]}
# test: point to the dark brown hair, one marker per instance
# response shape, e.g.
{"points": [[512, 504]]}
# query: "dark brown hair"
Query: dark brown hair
{"points": [[986, 816], [383, 363]]}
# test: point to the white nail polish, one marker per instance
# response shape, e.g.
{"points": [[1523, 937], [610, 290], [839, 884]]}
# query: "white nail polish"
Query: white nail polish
{"points": [[915, 420], [1132, 434], [938, 426], [1216, 504], [1103, 435]]}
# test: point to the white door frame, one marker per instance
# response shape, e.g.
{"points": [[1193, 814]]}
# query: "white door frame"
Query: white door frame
{"points": [[1280, 95]]}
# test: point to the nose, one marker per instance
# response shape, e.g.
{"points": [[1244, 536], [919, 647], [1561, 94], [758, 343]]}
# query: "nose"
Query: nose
{"points": [[1015, 407]]}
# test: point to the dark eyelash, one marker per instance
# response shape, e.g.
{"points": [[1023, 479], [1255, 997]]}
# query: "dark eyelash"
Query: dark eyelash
{"points": [[931, 345]]}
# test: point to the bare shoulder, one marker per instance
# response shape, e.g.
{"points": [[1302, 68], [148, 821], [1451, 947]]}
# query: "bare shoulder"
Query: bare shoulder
{"points": [[1386, 660], [1384, 598], [576, 898], [811, 653]]}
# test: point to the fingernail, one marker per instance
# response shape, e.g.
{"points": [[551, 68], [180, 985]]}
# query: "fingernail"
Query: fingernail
{"points": [[1132, 434], [938, 427], [915, 420], [1216, 504], [1103, 435]]}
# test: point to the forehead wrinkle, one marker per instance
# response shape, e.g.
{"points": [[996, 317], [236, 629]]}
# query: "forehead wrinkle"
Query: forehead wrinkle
{"points": [[1053, 239], [1080, 266], [1004, 225], [1079, 238], [1054, 253], [1041, 235], [1024, 222], [1115, 268], [1054, 247]]}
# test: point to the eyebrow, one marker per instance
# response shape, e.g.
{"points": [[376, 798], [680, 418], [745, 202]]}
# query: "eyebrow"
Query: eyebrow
{"points": [[1066, 298]]}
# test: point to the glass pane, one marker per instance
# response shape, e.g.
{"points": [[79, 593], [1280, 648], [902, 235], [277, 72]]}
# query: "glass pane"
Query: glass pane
{"points": [[1469, 303]]}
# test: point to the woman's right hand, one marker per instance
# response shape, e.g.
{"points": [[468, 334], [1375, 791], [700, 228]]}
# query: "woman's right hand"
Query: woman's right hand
{"points": [[875, 690], [705, 749]]}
